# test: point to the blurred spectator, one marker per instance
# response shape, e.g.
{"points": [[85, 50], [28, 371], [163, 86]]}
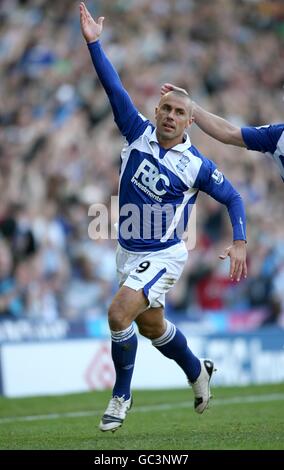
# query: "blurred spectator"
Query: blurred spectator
{"points": [[11, 305]]}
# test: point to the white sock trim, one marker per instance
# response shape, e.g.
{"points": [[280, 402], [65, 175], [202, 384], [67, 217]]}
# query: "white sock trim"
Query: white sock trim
{"points": [[166, 337], [123, 335]]}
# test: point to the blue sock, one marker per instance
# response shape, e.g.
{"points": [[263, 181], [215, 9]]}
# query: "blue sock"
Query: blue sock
{"points": [[173, 345], [123, 351]]}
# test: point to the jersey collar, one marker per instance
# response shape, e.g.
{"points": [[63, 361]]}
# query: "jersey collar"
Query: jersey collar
{"points": [[178, 148]]}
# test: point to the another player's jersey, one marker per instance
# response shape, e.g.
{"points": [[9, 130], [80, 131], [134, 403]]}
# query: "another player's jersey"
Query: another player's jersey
{"points": [[267, 139], [158, 186]]}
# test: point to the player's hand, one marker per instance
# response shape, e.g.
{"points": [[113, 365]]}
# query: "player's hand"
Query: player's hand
{"points": [[166, 87], [237, 254], [90, 29]]}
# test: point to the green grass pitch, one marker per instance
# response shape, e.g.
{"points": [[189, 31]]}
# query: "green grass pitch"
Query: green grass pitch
{"points": [[238, 418]]}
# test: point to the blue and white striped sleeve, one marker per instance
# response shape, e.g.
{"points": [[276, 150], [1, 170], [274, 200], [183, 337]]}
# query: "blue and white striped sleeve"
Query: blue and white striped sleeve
{"points": [[129, 121], [212, 181]]}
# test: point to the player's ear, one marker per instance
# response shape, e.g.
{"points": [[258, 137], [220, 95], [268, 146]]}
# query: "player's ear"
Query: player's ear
{"points": [[156, 111], [190, 121]]}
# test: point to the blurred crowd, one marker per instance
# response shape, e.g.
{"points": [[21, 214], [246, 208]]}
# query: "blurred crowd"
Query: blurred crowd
{"points": [[59, 147]]}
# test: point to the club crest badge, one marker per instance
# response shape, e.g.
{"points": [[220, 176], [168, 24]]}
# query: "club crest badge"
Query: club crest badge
{"points": [[182, 164], [217, 176]]}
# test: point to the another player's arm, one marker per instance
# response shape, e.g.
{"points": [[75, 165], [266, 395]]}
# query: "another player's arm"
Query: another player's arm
{"points": [[125, 114], [216, 185], [213, 125], [217, 127]]}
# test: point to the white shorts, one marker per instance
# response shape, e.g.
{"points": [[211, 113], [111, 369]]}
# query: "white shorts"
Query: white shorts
{"points": [[155, 272]]}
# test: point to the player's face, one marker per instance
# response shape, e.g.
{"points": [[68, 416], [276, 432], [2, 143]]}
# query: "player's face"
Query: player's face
{"points": [[173, 116]]}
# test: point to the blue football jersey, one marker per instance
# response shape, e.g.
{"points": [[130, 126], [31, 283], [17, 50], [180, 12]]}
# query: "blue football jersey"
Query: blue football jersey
{"points": [[158, 186]]}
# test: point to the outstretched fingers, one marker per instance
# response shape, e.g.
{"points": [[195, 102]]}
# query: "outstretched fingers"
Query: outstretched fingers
{"points": [[85, 15], [84, 9], [237, 270], [91, 29], [241, 271], [238, 266]]}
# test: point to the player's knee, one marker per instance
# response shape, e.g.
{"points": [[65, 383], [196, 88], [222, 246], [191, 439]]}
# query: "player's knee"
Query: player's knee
{"points": [[117, 317]]}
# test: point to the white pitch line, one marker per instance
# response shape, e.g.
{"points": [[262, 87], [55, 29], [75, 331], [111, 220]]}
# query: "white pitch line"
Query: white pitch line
{"points": [[239, 400]]}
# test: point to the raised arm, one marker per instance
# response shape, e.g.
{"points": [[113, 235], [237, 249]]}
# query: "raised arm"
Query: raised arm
{"points": [[126, 115], [217, 127], [213, 125]]}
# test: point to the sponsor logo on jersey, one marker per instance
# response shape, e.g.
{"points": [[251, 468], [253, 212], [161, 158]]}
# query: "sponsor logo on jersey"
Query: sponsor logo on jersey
{"points": [[147, 177]]}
